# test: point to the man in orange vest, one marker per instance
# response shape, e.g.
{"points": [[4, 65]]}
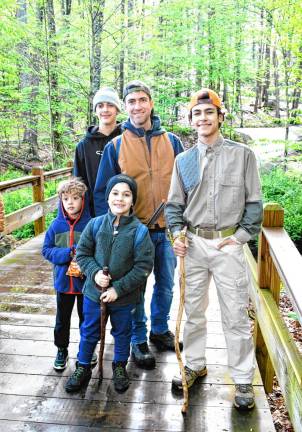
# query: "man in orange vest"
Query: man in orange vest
{"points": [[146, 152]]}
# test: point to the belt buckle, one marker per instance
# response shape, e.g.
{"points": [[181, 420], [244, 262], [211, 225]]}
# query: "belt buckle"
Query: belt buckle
{"points": [[208, 235]]}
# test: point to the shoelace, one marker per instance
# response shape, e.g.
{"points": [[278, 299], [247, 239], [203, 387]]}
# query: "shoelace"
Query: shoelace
{"points": [[78, 372], [61, 355], [119, 372], [244, 388], [143, 347]]}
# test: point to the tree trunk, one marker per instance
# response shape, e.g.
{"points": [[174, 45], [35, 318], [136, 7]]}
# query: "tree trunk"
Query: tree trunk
{"points": [[28, 80], [96, 8], [276, 82], [267, 61], [52, 78]]}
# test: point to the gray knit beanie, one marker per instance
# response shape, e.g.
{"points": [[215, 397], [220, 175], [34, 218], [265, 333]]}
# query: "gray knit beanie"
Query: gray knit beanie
{"points": [[106, 94]]}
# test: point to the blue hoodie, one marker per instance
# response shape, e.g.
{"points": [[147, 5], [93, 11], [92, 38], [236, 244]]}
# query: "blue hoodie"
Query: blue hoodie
{"points": [[60, 239]]}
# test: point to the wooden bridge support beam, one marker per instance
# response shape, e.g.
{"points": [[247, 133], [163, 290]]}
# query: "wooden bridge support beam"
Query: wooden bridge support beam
{"points": [[38, 196], [268, 278]]}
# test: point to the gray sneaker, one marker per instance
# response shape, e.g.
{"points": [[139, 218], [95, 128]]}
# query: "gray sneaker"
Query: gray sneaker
{"points": [[191, 377], [244, 397]]}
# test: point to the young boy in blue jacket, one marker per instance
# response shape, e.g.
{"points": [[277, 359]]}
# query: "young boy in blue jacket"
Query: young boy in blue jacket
{"points": [[59, 248], [119, 241]]}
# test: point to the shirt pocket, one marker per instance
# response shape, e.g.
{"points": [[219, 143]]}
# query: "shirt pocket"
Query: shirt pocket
{"points": [[231, 193]]}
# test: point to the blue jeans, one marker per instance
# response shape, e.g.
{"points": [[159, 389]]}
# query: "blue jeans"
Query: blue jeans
{"points": [[120, 318], [164, 267]]}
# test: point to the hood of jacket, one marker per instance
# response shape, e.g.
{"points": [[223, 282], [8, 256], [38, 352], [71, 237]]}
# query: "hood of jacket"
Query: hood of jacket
{"points": [[84, 214], [156, 128], [94, 133]]}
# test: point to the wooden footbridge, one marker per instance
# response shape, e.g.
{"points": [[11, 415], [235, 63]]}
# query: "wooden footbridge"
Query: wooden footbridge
{"points": [[32, 395]]}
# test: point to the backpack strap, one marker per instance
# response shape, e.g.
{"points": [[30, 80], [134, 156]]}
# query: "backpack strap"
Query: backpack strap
{"points": [[140, 233], [97, 225], [117, 145]]}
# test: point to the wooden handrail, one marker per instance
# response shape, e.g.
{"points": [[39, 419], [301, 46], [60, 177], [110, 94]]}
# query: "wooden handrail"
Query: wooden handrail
{"points": [[276, 351], [35, 212]]}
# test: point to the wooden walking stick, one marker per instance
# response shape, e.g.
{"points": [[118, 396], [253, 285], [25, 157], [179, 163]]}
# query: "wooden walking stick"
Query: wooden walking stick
{"points": [[104, 318], [182, 285]]}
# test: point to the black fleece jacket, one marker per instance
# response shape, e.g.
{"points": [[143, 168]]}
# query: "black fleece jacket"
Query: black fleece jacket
{"points": [[88, 154]]}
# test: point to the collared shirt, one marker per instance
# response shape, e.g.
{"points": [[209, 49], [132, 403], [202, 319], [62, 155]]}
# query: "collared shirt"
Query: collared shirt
{"points": [[225, 193]]}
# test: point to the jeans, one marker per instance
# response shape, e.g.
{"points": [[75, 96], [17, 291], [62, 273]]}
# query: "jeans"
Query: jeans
{"points": [[120, 318], [65, 303], [164, 267]]}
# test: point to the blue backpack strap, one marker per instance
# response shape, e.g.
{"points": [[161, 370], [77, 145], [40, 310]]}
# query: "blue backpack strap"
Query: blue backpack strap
{"points": [[117, 145], [171, 137], [98, 222], [140, 233]]}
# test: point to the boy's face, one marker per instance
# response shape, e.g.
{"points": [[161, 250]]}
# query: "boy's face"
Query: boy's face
{"points": [[120, 199], [72, 204], [206, 120], [106, 113]]}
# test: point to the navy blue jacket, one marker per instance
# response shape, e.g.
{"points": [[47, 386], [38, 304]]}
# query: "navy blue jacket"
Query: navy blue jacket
{"points": [[60, 238]]}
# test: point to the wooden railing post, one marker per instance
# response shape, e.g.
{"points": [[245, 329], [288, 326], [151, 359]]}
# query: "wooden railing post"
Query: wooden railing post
{"points": [[38, 196], [268, 278], [2, 222]]}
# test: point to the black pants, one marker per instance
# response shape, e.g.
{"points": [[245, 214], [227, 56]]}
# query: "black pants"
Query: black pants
{"points": [[65, 304]]}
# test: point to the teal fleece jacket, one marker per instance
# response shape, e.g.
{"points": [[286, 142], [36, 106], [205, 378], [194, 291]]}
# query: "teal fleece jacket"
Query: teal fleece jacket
{"points": [[129, 264]]}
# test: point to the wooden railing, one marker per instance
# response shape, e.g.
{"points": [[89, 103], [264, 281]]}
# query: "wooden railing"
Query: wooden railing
{"points": [[35, 212], [278, 261], [279, 264]]}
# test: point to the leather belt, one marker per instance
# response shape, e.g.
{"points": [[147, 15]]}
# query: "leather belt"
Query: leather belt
{"points": [[210, 234]]}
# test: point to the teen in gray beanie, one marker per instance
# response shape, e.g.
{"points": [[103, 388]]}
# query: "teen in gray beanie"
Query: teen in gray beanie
{"points": [[106, 94], [122, 178]]}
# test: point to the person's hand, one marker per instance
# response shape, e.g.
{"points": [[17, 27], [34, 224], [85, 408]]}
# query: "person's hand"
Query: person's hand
{"points": [[109, 296], [227, 241], [180, 247], [102, 280]]}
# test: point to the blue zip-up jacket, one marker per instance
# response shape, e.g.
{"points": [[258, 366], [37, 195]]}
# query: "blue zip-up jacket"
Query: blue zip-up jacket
{"points": [[60, 238], [148, 156]]}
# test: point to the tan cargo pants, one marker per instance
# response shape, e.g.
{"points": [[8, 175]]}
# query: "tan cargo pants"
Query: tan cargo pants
{"points": [[229, 270]]}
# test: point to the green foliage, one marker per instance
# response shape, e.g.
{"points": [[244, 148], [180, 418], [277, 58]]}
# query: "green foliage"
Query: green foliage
{"points": [[286, 189]]}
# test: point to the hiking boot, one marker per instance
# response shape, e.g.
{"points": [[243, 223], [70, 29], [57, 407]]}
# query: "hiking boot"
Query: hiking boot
{"points": [[244, 397], [191, 377], [142, 356], [165, 341], [120, 376], [60, 362], [94, 360], [80, 376]]}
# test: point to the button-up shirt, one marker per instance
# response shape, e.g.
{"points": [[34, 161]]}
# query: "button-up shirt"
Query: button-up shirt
{"points": [[223, 189]]}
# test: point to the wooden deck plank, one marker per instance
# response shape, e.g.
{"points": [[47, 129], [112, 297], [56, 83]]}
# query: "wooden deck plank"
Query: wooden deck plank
{"points": [[32, 395], [138, 416]]}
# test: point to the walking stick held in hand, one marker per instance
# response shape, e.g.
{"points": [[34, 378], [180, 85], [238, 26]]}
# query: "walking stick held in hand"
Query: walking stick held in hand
{"points": [[104, 318], [182, 285]]}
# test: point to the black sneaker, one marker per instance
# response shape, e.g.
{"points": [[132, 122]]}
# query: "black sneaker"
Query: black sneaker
{"points": [[76, 381], [142, 356], [120, 376], [165, 341], [244, 397], [61, 359]]}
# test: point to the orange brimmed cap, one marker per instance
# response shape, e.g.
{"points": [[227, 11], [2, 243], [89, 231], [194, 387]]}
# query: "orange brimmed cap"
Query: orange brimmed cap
{"points": [[205, 95]]}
